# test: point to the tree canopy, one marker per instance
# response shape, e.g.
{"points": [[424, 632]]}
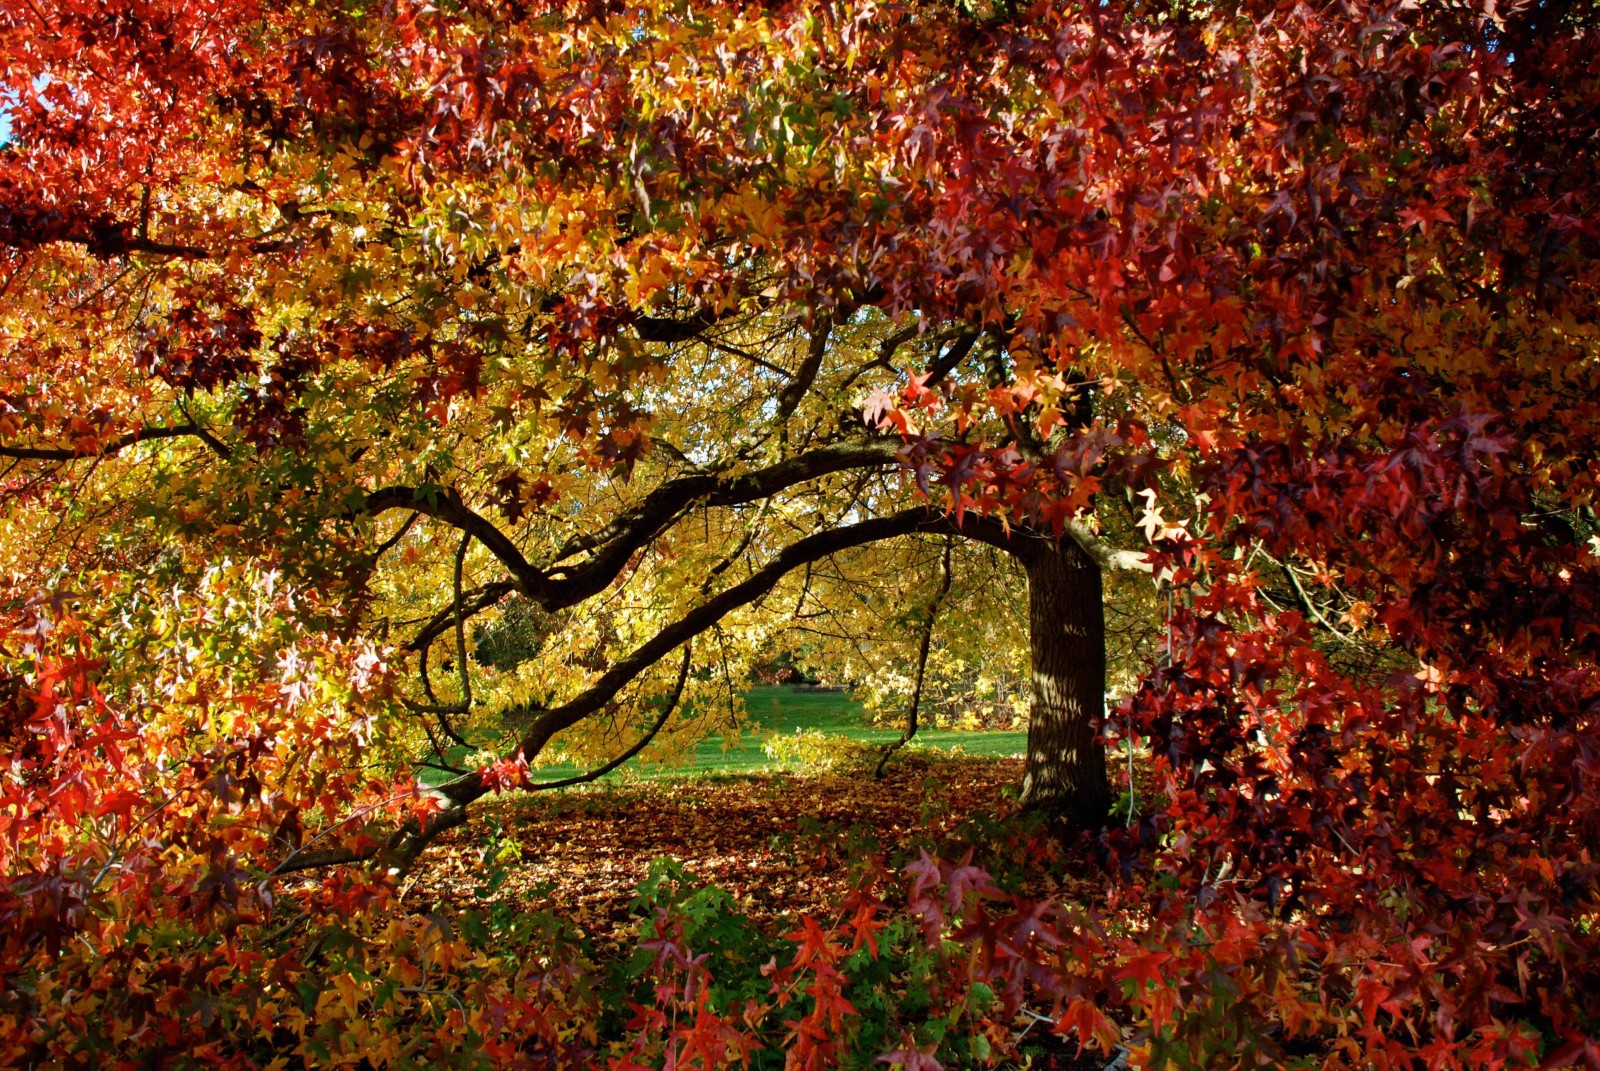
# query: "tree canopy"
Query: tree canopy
{"points": [[397, 398]]}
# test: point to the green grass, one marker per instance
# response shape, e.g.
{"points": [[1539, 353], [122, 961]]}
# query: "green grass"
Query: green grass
{"points": [[783, 710]]}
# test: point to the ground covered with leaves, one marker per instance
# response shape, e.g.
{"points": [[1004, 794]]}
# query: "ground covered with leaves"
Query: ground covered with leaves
{"points": [[739, 896], [782, 844]]}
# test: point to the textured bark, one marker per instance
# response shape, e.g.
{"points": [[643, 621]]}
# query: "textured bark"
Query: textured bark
{"points": [[1065, 774]]}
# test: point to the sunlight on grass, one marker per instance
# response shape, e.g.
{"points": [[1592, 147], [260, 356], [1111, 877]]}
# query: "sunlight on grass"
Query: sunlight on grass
{"points": [[781, 709]]}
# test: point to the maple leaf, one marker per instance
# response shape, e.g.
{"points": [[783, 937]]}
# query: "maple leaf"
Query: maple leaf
{"points": [[1092, 1026], [1424, 215], [913, 1059], [1144, 969], [967, 880]]}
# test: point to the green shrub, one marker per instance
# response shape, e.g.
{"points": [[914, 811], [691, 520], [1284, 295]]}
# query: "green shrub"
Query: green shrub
{"points": [[814, 750]]}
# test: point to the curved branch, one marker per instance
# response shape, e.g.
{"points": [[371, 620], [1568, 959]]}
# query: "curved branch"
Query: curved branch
{"points": [[553, 720], [638, 745], [1311, 607], [1022, 541], [615, 544], [795, 390], [400, 533], [402, 847], [947, 361], [461, 626], [473, 603], [117, 445], [713, 610], [665, 330], [442, 711], [444, 504], [631, 530]]}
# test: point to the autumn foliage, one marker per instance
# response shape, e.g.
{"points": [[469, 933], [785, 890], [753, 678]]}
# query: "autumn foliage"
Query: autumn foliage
{"points": [[312, 313]]}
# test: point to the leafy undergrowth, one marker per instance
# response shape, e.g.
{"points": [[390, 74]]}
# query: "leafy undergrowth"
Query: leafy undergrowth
{"points": [[766, 921], [781, 844]]}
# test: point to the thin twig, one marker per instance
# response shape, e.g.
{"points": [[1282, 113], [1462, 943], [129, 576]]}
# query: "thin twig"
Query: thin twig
{"points": [[923, 646], [638, 745]]}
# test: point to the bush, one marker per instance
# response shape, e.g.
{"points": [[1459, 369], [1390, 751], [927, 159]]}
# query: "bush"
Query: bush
{"points": [[814, 750]]}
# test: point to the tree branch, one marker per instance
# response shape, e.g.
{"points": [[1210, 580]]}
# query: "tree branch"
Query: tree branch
{"points": [[473, 603], [923, 646], [795, 390], [403, 846], [631, 530], [638, 745], [946, 362], [445, 504], [1104, 554], [116, 445], [664, 330], [808, 549]]}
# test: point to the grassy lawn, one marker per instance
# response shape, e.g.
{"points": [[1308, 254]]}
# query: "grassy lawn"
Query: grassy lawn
{"points": [[784, 710]]}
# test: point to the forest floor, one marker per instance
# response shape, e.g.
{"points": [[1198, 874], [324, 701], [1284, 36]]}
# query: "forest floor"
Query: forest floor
{"points": [[782, 843]]}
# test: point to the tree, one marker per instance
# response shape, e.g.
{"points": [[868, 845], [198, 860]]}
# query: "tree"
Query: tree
{"points": [[320, 361], [1313, 289], [441, 335], [672, 534]]}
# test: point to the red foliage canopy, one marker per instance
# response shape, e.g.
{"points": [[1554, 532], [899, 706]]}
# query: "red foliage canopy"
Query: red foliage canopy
{"points": [[1344, 260]]}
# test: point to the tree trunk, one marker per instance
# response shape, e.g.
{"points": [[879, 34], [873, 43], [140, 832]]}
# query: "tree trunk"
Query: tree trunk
{"points": [[1065, 775]]}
